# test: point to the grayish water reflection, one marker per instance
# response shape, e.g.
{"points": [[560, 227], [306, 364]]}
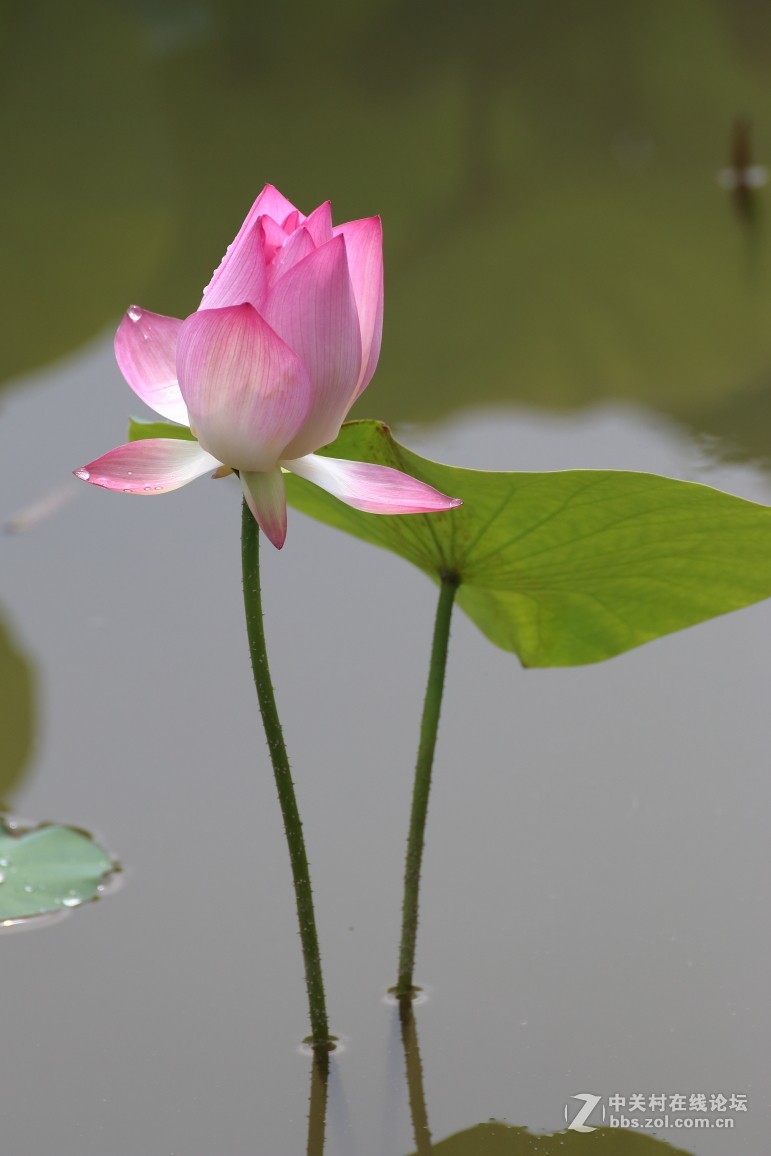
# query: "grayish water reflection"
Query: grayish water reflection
{"points": [[595, 891]]}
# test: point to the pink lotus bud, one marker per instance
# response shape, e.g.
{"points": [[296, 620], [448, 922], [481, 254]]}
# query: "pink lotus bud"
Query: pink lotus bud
{"points": [[285, 339]]}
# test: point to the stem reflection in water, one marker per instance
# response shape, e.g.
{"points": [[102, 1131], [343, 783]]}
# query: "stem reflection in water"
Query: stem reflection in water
{"points": [[317, 1112], [414, 1070]]}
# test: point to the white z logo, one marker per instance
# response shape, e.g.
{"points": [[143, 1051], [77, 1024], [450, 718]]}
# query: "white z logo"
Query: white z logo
{"points": [[590, 1103]]}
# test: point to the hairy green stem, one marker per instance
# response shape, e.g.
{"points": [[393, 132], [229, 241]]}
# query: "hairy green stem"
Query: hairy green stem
{"points": [[250, 558], [429, 726]]}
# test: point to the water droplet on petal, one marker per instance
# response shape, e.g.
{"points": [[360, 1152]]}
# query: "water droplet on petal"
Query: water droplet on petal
{"points": [[84, 475], [134, 313]]}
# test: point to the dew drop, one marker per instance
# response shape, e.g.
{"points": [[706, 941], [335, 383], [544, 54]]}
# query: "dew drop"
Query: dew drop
{"points": [[84, 475], [5, 862], [2, 877], [71, 901], [29, 888], [135, 313]]}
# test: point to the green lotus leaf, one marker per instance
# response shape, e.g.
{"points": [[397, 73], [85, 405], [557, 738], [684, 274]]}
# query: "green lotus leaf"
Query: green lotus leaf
{"points": [[571, 567], [140, 428]]}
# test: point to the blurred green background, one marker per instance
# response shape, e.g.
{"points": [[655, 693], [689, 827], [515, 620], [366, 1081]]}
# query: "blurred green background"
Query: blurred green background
{"points": [[547, 175]]}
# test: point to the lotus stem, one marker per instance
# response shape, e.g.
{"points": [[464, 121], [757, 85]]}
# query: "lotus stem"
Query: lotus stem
{"points": [[320, 1039], [429, 726]]}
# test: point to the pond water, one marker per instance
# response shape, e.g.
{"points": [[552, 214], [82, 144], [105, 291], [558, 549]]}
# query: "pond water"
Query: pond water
{"points": [[567, 286]]}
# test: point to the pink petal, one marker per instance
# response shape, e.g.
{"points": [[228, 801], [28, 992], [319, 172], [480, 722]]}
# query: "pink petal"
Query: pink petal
{"points": [[364, 243], [291, 221], [275, 237], [271, 203], [374, 489], [312, 308], [237, 259], [153, 466], [241, 276], [265, 494], [319, 224], [247, 393], [299, 245], [146, 351]]}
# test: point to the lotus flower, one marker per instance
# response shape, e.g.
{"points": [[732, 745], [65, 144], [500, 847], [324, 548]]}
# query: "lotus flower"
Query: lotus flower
{"points": [[285, 339]]}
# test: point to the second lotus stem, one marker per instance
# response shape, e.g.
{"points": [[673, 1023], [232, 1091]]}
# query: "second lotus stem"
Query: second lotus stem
{"points": [[429, 727]]}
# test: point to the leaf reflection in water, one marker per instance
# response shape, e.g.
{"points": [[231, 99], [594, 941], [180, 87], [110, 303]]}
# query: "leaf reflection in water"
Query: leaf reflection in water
{"points": [[495, 1138]]}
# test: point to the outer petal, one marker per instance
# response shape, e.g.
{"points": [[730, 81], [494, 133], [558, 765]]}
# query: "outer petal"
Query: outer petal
{"points": [[266, 497], [375, 489], [247, 393], [242, 275], [270, 203], [312, 308], [364, 242], [146, 352], [153, 466]]}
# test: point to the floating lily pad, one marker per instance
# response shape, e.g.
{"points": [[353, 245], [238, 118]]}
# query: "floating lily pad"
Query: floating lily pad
{"points": [[497, 1139], [48, 869], [562, 568]]}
